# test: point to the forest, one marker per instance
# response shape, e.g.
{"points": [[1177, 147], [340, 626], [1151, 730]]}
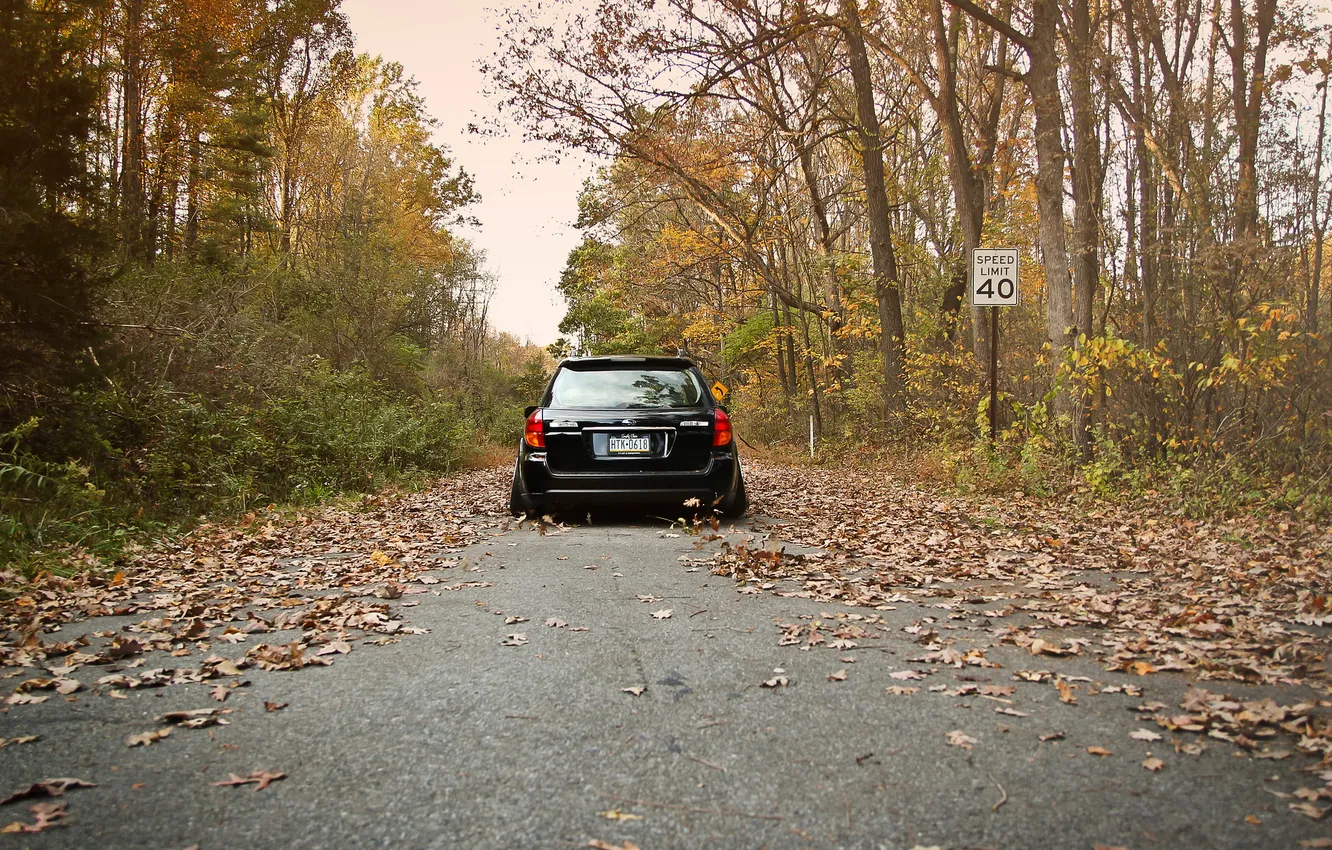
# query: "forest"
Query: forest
{"points": [[234, 272], [230, 273], [792, 190]]}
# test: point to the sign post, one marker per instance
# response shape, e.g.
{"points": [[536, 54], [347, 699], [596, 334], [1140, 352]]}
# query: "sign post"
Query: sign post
{"points": [[994, 284]]}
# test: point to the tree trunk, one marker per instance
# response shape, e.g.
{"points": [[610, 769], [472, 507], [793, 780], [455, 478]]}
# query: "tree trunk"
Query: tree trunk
{"points": [[132, 158], [1248, 86], [1319, 222], [191, 231], [1043, 83], [1086, 192], [968, 188], [892, 344]]}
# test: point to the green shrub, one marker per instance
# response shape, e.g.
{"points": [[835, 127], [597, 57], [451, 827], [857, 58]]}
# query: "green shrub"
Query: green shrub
{"points": [[115, 461]]}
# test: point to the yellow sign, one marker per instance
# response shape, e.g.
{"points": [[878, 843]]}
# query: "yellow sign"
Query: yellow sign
{"points": [[719, 391]]}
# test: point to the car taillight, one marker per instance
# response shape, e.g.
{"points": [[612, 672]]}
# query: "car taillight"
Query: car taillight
{"points": [[722, 435], [534, 433]]}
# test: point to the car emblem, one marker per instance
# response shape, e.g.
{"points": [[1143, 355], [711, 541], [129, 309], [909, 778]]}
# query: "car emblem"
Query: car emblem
{"points": [[626, 422]]}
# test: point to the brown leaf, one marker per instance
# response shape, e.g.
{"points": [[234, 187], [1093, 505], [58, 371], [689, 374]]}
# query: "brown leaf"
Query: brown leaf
{"points": [[147, 738], [1099, 751], [838, 676], [776, 682], [1153, 764], [958, 738], [196, 718], [1065, 692], [46, 814], [22, 739], [274, 706], [47, 788], [1309, 810], [261, 779]]}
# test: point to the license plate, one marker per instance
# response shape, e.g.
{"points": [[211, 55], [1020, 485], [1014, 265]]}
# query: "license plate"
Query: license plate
{"points": [[629, 445]]}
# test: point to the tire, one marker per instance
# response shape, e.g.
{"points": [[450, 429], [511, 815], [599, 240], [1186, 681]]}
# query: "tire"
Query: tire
{"points": [[520, 504], [737, 502]]}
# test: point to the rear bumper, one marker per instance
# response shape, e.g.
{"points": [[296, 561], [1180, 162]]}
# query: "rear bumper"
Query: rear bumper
{"points": [[709, 484]]}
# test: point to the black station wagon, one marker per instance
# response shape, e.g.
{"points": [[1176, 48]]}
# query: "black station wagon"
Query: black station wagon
{"points": [[617, 430]]}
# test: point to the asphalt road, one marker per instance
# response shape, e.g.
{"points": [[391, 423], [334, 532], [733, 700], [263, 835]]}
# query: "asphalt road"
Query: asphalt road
{"points": [[449, 739]]}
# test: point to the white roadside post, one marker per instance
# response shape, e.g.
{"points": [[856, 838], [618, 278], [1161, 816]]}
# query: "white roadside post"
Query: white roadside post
{"points": [[994, 284]]}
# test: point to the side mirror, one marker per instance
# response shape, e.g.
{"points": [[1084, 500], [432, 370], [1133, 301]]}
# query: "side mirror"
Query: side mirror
{"points": [[527, 411]]}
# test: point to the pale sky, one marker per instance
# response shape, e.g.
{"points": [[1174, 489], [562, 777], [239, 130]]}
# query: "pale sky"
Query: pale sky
{"points": [[528, 206]]}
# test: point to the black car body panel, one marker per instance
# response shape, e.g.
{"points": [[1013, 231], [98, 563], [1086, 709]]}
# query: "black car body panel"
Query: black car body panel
{"points": [[627, 430]]}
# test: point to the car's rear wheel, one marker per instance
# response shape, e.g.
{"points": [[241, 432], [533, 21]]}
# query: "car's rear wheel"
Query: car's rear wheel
{"points": [[735, 504], [520, 504]]}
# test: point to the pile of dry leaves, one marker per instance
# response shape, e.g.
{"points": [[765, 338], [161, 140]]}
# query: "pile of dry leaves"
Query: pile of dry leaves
{"points": [[1141, 589], [335, 577]]}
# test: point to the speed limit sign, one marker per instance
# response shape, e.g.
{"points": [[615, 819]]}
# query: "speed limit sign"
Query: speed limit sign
{"points": [[994, 277]]}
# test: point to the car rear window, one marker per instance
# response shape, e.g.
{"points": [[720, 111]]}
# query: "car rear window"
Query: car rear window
{"points": [[626, 388]]}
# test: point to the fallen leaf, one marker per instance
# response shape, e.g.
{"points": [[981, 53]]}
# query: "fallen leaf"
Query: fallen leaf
{"points": [[1011, 712], [22, 739], [663, 614], [1099, 751], [47, 788], [905, 675], [616, 814], [46, 814], [261, 779], [958, 738], [1153, 764], [1253, 819], [1309, 810], [146, 738], [556, 623], [1065, 692], [1053, 736], [898, 690], [838, 676], [515, 639], [196, 718], [776, 682], [1144, 735], [636, 690], [274, 706], [336, 647]]}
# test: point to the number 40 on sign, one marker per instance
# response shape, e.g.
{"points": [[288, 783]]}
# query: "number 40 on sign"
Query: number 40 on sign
{"points": [[994, 277]]}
